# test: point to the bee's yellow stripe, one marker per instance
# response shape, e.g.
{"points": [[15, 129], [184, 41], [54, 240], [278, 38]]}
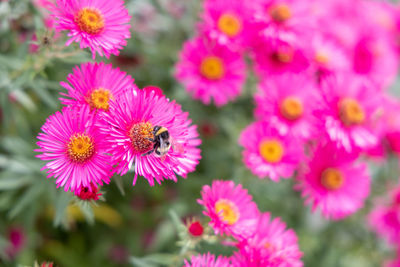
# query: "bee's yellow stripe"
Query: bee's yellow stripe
{"points": [[162, 129]]}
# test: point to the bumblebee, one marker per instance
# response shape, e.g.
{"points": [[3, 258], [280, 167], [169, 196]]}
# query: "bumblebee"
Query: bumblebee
{"points": [[161, 140]]}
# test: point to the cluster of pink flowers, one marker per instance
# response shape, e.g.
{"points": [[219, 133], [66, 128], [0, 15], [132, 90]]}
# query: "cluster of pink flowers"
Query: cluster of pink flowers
{"points": [[107, 126], [322, 100], [260, 239]]}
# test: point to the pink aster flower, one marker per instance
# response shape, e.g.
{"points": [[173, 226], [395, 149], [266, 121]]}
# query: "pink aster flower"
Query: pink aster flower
{"points": [[289, 108], [95, 85], [385, 217], [349, 112], [334, 182], [271, 245], [228, 22], [90, 192], [230, 208], [101, 25], [133, 119], [211, 71], [277, 57], [269, 153], [207, 260], [75, 148]]}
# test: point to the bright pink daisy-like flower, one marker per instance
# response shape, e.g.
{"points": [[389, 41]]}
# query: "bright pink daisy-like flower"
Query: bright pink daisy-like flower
{"points": [[334, 182], [211, 71], [230, 208], [271, 245], [101, 25], [207, 260], [289, 108], [228, 22], [349, 112], [134, 121], [75, 148], [95, 85], [269, 153], [277, 57], [385, 219]]}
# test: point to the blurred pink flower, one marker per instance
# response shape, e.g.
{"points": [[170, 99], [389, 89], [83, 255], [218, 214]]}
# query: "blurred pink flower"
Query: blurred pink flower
{"points": [[90, 192], [334, 182], [269, 153], [288, 101], [210, 71], [75, 148], [207, 260], [95, 85], [230, 208], [101, 25], [17, 239], [271, 245], [131, 123]]}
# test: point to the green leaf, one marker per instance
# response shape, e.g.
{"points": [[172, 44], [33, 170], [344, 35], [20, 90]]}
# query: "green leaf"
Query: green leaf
{"points": [[62, 200], [118, 181], [14, 182], [27, 199], [87, 211], [155, 260]]}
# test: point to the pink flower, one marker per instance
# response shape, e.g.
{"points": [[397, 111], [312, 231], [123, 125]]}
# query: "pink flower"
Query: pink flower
{"points": [[132, 121], [269, 153], [384, 218], [75, 148], [228, 22], [88, 192], [101, 25], [16, 241], [291, 107], [211, 71], [271, 245], [348, 114], [277, 57], [207, 260], [230, 208], [95, 85], [334, 182]]}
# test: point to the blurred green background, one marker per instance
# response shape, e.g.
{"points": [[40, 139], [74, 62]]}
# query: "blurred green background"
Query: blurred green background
{"points": [[126, 229]]}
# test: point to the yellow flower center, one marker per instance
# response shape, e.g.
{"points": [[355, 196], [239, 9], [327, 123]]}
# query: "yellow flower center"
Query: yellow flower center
{"points": [[291, 108], [90, 20], [280, 13], [99, 99], [80, 148], [271, 151], [351, 112], [321, 58], [283, 54], [332, 179], [212, 68], [229, 24], [228, 211], [139, 134]]}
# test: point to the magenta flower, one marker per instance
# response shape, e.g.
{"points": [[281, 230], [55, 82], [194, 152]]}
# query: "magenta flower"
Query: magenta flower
{"points": [[211, 71], [101, 25], [95, 85], [334, 182], [230, 208], [271, 245], [384, 218], [208, 260], [132, 120], [228, 22], [348, 114], [269, 153], [289, 108], [75, 148]]}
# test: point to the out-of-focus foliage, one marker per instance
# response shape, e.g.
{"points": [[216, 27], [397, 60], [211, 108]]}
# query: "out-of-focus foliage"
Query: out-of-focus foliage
{"points": [[57, 227]]}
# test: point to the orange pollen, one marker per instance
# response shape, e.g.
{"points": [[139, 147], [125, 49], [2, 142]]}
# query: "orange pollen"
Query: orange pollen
{"points": [[227, 210], [351, 112], [90, 20], [212, 68], [291, 108], [283, 55], [280, 13], [99, 99], [229, 24], [332, 179], [80, 148], [139, 134], [321, 58], [271, 151]]}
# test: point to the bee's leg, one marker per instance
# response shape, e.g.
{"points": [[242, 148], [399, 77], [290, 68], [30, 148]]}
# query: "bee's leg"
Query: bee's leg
{"points": [[148, 152]]}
